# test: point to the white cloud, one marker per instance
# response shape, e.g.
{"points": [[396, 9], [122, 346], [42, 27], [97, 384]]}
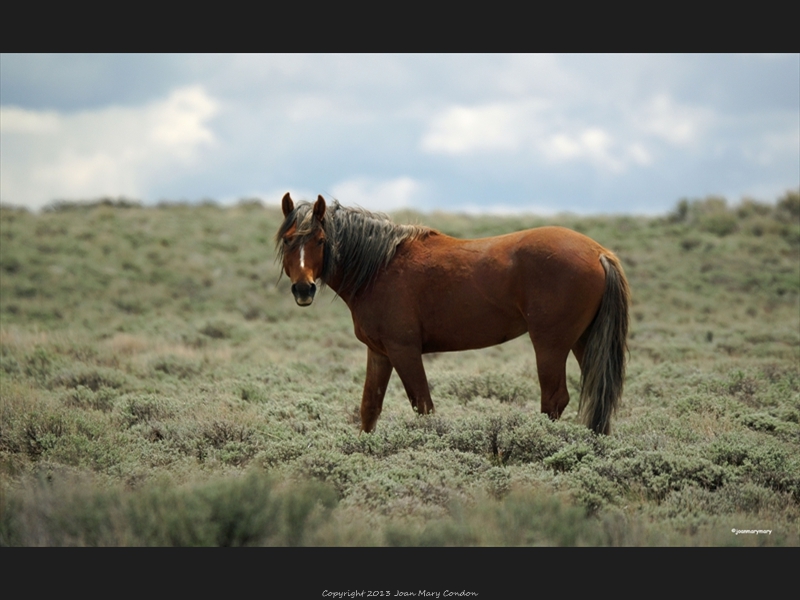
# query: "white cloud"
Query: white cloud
{"points": [[593, 144], [773, 147], [505, 210], [461, 130], [179, 123], [534, 127], [678, 124], [563, 147], [375, 194], [47, 155], [639, 154], [19, 120], [499, 126]]}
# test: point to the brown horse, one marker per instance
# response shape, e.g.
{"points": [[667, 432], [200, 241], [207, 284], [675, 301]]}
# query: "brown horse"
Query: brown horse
{"points": [[412, 290]]}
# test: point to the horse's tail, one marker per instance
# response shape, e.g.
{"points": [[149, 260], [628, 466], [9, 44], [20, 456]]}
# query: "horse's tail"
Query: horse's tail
{"points": [[603, 367]]}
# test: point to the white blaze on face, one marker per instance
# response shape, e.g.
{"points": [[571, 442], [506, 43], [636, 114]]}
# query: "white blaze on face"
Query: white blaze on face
{"points": [[302, 257]]}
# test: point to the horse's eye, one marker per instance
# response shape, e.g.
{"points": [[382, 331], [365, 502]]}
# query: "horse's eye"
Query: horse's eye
{"points": [[285, 241], [320, 241]]}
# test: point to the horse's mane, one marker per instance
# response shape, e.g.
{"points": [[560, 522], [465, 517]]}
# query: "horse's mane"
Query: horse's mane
{"points": [[358, 242]]}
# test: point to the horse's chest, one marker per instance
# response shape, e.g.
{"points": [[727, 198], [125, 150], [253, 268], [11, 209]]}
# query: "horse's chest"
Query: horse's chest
{"points": [[381, 328], [368, 336]]}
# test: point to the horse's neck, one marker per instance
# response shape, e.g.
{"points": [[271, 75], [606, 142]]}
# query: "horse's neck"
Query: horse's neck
{"points": [[334, 281]]}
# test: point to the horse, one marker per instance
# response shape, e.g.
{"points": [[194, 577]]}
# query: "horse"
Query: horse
{"points": [[412, 290]]}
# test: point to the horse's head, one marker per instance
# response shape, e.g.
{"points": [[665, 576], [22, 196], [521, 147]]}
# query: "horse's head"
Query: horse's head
{"points": [[303, 249]]}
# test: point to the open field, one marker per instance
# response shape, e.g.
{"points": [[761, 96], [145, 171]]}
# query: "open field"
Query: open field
{"points": [[159, 386]]}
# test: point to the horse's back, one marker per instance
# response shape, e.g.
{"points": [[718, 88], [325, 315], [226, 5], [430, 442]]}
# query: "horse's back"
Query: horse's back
{"points": [[540, 259]]}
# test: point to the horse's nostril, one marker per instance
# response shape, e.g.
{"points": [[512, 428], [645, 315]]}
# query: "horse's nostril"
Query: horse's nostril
{"points": [[304, 289]]}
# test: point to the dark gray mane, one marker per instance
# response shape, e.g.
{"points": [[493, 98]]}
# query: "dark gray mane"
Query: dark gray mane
{"points": [[358, 243]]}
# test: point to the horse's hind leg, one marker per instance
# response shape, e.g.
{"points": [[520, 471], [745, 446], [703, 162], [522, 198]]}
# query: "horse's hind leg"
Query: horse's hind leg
{"points": [[552, 368], [579, 348], [379, 370]]}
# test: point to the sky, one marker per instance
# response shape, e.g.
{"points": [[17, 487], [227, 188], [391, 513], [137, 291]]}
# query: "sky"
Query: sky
{"points": [[501, 134]]}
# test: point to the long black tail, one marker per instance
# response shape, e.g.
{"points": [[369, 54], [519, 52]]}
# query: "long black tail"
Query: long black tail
{"points": [[603, 373]]}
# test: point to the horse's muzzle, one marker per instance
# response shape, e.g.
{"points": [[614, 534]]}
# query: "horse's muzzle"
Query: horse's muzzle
{"points": [[304, 293]]}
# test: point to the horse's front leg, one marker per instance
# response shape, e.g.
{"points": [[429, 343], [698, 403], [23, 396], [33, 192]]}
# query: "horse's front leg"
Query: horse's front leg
{"points": [[407, 361], [379, 370]]}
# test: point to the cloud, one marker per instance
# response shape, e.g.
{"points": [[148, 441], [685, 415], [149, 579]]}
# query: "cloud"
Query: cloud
{"points": [[572, 131], [179, 123], [593, 143], [596, 146], [19, 120], [506, 210], [375, 194], [678, 124], [49, 155], [773, 147], [499, 126], [534, 128]]}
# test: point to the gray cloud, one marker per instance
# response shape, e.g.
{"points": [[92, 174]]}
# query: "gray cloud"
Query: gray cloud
{"points": [[583, 133]]}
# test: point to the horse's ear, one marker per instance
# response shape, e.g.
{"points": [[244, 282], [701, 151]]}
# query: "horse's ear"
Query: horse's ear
{"points": [[319, 208], [287, 204]]}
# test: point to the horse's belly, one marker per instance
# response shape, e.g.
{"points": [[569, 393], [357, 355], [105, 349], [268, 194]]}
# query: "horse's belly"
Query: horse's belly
{"points": [[467, 344], [481, 331]]}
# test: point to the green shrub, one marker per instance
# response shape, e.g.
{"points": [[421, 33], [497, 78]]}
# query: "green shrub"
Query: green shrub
{"points": [[240, 511], [789, 206], [93, 378], [177, 366], [142, 408], [81, 396]]}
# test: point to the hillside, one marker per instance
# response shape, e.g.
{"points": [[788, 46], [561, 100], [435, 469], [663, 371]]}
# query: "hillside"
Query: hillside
{"points": [[159, 386]]}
